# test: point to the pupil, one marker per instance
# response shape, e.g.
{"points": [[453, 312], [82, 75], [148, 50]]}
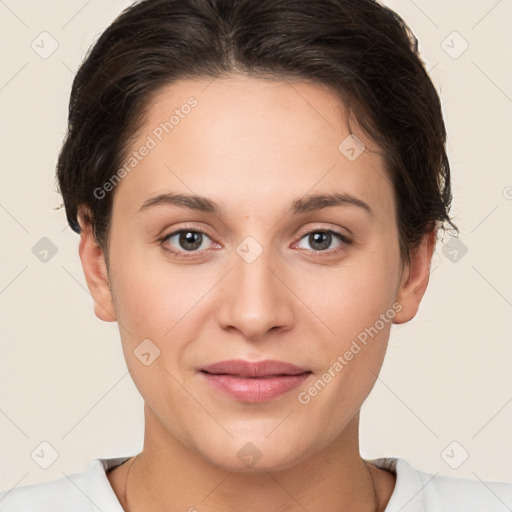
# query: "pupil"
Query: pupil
{"points": [[190, 237], [317, 238]]}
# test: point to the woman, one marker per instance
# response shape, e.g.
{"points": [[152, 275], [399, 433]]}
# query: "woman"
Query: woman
{"points": [[258, 187]]}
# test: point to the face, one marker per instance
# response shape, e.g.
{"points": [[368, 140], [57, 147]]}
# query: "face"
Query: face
{"points": [[261, 267]]}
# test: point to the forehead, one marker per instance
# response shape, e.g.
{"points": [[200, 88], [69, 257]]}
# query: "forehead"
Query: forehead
{"points": [[240, 138]]}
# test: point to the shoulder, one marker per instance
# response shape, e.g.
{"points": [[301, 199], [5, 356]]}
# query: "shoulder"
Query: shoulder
{"points": [[80, 492], [56, 495], [420, 491], [469, 495]]}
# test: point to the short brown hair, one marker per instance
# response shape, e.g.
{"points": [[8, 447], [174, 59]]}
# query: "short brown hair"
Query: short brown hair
{"points": [[360, 49]]}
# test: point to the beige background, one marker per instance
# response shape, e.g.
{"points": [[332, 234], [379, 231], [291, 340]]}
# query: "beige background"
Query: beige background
{"points": [[446, 376]]}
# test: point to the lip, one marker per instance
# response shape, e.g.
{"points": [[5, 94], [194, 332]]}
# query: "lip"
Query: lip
{"points": [[242, 368], [254, 382]]}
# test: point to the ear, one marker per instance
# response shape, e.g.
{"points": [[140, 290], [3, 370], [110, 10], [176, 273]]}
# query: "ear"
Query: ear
{"points": [[414, 280], [95, 270]]}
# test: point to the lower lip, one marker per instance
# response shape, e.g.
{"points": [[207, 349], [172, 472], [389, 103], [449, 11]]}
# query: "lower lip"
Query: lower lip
{"points": [[255, 390]]}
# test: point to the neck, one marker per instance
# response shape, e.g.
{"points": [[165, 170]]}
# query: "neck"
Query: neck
{"points": [[167, 474]]}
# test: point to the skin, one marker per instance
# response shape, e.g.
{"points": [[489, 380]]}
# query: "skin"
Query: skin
{"points": [[253, 146]]}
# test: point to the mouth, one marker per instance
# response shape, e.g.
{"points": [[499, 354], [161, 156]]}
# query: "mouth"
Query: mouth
{"points": [[252, 377], [254, 382], [258, 369]]}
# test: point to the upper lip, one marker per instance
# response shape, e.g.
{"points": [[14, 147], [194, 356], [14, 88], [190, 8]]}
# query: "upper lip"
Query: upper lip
{"points": [[254, 369]]}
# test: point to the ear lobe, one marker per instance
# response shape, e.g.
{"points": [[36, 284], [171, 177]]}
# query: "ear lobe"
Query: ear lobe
{"points": [[415, 279], [95, 270]]}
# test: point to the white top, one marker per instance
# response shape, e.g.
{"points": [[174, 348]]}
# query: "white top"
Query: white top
{"points": [[415, 491]]}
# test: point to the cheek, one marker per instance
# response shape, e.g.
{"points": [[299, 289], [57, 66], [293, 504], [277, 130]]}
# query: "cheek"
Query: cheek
{"points": [[143, 288], [156, 305], [352, 296], [354, 305], [353, 356], [160, 301]]}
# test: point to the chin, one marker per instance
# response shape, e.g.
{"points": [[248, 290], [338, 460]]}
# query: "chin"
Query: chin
{"points": [[259, 455]]}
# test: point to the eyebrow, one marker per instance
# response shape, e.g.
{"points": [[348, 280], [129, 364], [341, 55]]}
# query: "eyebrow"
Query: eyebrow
{"points": [[303, 205]]}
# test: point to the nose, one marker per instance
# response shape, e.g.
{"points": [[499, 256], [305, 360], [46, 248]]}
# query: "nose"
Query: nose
{"points": [[255, 298]]}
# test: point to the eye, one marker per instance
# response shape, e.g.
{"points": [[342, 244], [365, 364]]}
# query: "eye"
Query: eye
{"points": [[185, 240], [193, 241], [320, 240]]}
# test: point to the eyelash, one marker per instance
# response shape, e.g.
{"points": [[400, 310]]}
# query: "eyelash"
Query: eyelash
{"points": [[183, 254]]}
